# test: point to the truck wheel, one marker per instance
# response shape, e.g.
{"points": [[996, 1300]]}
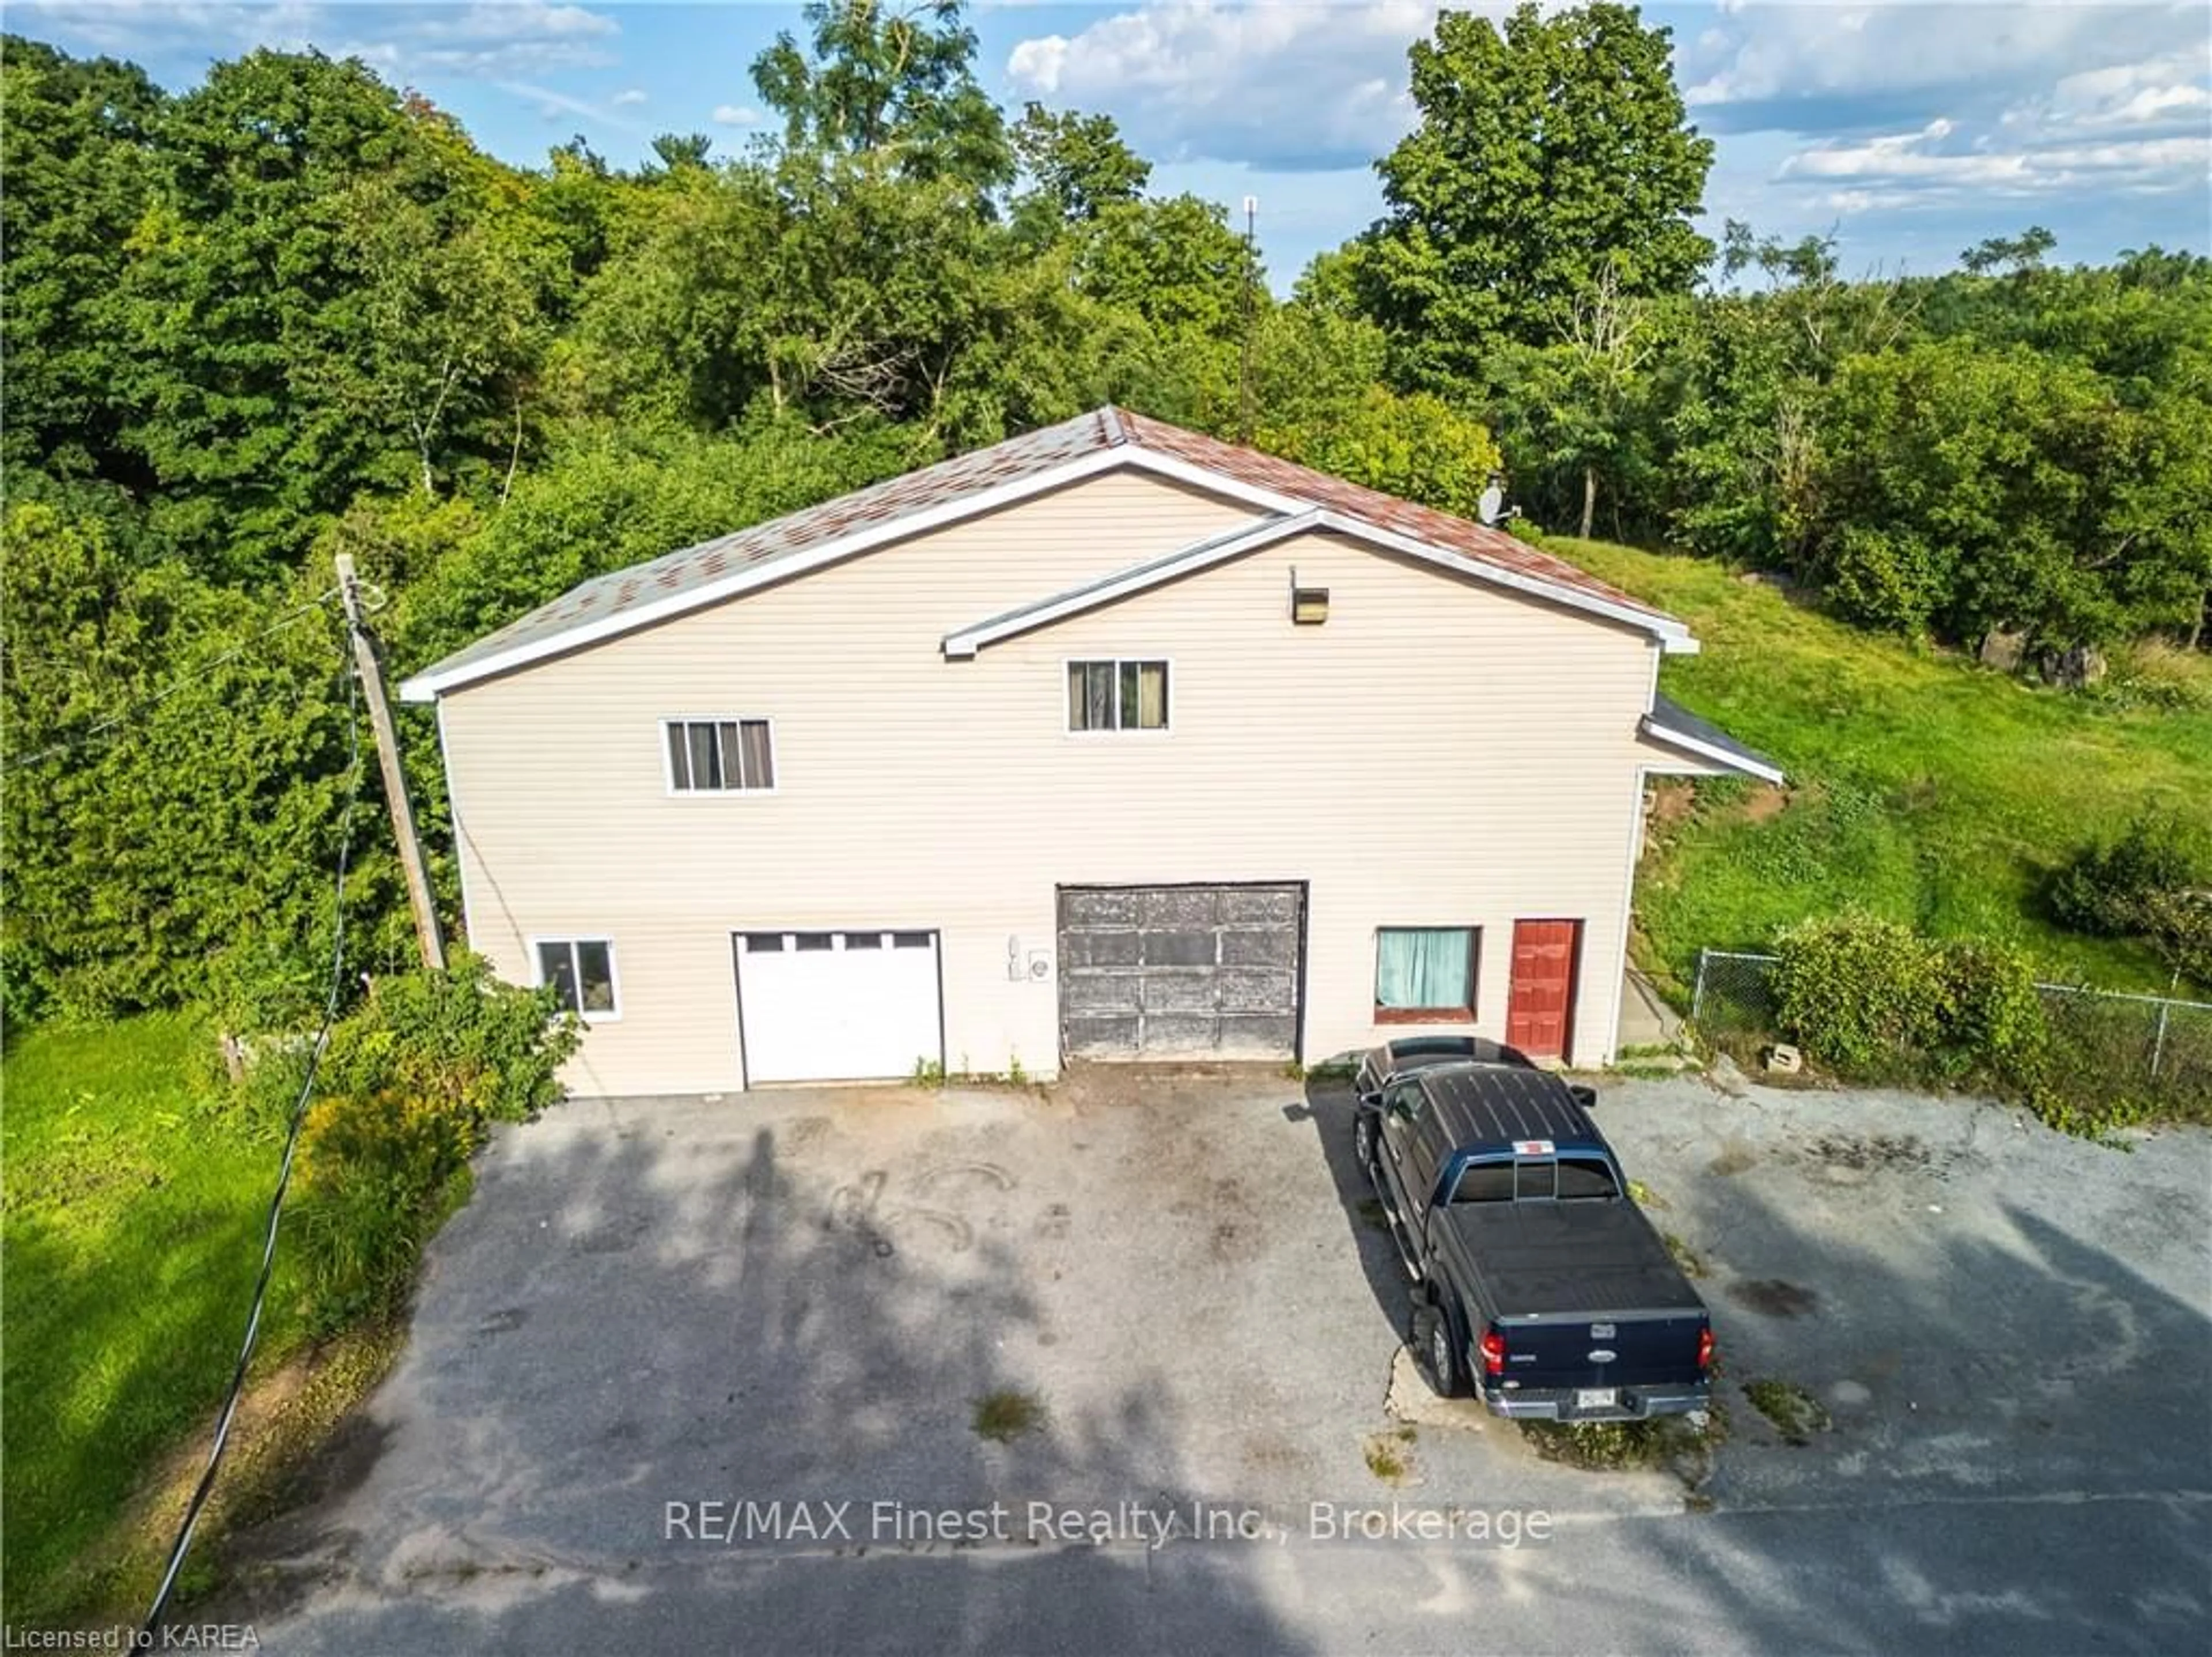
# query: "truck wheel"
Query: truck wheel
{"points": [[1436, 1349], [1363, 1139]]}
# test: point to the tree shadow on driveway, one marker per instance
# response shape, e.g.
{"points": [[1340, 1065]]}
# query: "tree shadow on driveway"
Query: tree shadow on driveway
{"points": [[635, 1319]]}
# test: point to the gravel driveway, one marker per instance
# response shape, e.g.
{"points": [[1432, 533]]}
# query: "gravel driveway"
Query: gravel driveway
{"points": [[654, 1307]]}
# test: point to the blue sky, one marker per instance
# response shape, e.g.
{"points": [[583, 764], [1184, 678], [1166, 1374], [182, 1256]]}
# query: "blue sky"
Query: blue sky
{"points": [[1910, 129]]}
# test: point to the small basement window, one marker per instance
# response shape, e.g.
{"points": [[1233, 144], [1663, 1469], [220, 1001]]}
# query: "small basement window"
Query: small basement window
{"points": [[582, 971], [720, 756], [1425, 973], [1117, 696]]}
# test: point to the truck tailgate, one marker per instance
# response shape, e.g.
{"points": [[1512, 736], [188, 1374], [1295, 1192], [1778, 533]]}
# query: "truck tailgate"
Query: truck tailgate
{"points": [[1627, 1349]]}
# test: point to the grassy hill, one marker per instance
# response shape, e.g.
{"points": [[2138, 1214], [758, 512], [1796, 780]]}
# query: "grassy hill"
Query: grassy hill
{"points": [[1923, 787], [137, 1193]]}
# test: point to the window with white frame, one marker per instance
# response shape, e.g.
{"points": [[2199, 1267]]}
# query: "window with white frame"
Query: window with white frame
{"points": [[1117, 696], [582, 973], [720, 756], [1426, 972]]}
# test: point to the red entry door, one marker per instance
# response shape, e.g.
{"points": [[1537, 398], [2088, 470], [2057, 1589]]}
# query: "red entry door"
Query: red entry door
{"points": [[1540, 1008]]}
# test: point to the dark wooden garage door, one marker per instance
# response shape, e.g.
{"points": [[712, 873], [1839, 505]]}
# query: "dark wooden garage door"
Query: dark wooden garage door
{"points": [[1180, 972]]}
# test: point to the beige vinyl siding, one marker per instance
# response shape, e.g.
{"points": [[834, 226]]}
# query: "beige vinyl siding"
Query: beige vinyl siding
{"points": [[1439, 753]]}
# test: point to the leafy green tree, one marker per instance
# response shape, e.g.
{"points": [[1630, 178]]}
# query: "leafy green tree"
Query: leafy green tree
{"points": [[677, 151], [895, 82], [1961, 489], [2017, 253], [1547, 153], [1076, 164], [75, 148], [1809, 261], [1417, 447], [1174, 262], [1573, 411], [263, 391], [607, 502], [177, 759]]}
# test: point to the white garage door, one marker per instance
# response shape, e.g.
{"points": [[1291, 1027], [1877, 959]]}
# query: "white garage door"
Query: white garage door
{"points": [[837, 1006]]}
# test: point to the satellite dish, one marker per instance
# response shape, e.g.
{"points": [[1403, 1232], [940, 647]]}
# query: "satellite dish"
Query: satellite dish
{"points": [[1493, 503]]}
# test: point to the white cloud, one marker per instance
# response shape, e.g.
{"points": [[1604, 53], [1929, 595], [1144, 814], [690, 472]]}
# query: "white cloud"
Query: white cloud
{"points": [[1920, 164], [1285, 84], [736, 115], [1812, 69], [631, 98], [489, 40], [133, 29], [1888, 111]]}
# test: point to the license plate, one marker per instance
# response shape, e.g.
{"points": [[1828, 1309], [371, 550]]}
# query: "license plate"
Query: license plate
{"points": [[1596, 1398]]}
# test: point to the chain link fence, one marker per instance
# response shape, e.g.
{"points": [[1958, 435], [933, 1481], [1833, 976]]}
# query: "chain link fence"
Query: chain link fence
{"points": [[2103, 1042]]}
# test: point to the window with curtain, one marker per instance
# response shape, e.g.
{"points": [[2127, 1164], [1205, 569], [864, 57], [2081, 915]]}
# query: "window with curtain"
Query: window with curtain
{"points": [[720, 756], [1426, 970], [1117, 696]]}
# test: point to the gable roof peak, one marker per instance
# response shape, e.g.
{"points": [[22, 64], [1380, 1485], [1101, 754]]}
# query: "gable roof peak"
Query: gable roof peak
{"points": [[1013, 469]]}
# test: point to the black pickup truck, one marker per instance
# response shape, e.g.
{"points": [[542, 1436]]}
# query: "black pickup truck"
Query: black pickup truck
{"points": [[1537, 1279]]}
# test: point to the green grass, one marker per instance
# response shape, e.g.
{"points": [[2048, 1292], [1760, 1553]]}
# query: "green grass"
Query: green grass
{"points": [[135, 1189], [1923, 787], [1796, 1413], [1005, 1415]]}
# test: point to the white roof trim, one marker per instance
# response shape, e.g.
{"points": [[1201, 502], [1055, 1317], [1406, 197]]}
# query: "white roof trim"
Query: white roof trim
{"points": [[1675, 638], [429, 686], [1215, 550], [1743, 765]]}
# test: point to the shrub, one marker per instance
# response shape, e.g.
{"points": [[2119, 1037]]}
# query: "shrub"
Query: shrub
{"points": [[1857, 993], [1871, 997], [2108, 889], [2180, 927], [1996, 1026], [409, 1082]]}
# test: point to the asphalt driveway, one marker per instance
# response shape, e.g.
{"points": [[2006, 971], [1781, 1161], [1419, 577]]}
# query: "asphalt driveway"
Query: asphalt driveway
{"points": [[655, 1313]]}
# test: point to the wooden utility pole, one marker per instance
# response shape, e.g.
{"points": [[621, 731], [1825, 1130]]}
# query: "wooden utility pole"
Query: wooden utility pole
{"points": [[395, 780]]}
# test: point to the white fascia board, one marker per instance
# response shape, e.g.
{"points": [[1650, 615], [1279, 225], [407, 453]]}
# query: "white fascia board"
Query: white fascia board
{"points": [[1673, 637], [963, 644], [1215, 483], [429, 686], [1741, 765]]}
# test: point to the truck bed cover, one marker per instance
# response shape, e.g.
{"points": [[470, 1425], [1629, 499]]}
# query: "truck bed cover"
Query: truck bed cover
{"points": [[1572, 1259]]}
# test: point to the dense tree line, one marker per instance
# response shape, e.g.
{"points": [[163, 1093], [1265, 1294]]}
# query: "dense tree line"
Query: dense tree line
{"points": [[294, 310]]}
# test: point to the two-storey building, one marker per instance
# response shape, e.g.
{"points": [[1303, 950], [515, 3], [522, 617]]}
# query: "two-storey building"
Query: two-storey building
{"points": [[1110, 740]]}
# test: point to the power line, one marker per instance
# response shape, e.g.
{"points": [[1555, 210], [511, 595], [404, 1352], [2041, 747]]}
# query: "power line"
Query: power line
{"points": [[184, 1542], [184, 682]]}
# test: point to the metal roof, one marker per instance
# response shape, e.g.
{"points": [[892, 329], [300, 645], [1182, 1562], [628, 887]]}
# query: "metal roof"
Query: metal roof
{"points": [[785, 547], [1670, 722]]}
